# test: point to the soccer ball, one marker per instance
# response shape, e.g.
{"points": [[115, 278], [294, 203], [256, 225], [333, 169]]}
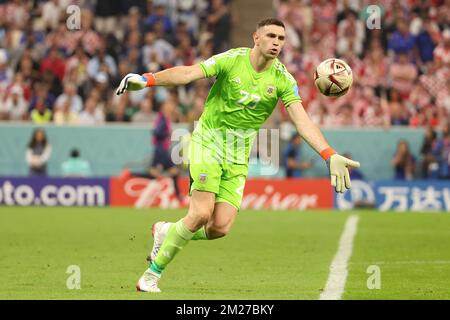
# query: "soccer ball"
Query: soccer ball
{"points": [[333, 77]]}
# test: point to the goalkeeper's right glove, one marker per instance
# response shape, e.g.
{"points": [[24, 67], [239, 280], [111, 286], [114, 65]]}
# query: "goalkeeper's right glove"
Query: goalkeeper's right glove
{"points": [[338, 167], [134, 82]]}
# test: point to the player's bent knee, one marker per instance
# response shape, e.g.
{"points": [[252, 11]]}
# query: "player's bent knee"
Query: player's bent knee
{"points": [[214, 232], [199, 216]]}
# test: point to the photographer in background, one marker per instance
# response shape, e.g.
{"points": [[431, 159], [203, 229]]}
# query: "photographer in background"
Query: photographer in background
{"points": [[291, 158], [403, 162], [75, 166], [38, 153]]}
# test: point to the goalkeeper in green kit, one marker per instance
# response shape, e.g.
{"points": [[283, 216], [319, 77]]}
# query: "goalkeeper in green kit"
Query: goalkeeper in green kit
{"points": [[248, 84]]}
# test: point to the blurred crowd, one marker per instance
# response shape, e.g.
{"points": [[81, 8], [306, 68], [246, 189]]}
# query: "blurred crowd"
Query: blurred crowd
{"points": [[401, 63], [433, 162], [60, 63]]}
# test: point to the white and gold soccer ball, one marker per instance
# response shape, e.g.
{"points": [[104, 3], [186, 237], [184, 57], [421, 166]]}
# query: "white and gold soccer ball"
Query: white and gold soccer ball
{"points": [[333, 77]]}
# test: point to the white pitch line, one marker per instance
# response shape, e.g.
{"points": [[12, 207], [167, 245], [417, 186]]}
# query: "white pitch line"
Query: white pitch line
{"points": [[403, 262], [338, 268]]}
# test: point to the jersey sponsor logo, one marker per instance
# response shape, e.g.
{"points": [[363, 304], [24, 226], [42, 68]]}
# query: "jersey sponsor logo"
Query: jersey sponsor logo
{"points": [[203, 177]]}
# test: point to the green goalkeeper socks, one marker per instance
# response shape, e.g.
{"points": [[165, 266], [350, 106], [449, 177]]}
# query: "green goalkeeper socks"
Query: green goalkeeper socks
{"points": [[177, 237], [200, 234]]}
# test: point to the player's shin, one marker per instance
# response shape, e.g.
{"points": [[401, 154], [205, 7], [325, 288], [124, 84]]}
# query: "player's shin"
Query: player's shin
{"points": [[177, 237]]}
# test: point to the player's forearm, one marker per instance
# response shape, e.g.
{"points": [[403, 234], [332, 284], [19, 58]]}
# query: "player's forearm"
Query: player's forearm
{"points": [[171, 77], [307, 129], [177, 76]]}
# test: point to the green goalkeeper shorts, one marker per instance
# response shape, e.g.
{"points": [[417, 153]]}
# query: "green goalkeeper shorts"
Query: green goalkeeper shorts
{"points": [[225, 179]]}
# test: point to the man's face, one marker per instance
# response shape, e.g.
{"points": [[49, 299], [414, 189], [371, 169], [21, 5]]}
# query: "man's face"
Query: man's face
{"points": [[297, 140], [270, 40]]}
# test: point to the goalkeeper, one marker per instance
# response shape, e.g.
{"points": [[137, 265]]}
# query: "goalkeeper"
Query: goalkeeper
{"points": [[249, 82]]}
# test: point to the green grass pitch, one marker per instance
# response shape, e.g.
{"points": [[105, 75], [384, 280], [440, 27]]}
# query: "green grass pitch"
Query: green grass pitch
{"points": [[267, 255]]}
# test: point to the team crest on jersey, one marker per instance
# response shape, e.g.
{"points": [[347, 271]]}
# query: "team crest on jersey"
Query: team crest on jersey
{"points": [[203, 177], [270, 89]]}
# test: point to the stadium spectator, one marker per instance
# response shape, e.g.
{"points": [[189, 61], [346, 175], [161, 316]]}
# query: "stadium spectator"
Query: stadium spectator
{"points": [[159, 15], [15, 106], [402, 41], [374, 69], [29, 69], [41, 114], [426, 39], [145, 113], [35, 42], [433, 79], [92, 113], [350, 33], [398, 113], [403, 162], [419, 97], [6, 73], [64, 114], [402, 74], [106, 15], [442, 52], [162, 161], [69, 98], [429, 164], [75, 166], [443, 100], [345, 116], [17, 13], [51, 12], [441, 152], [219, 24], [38, 153], [291, 158], [54, 63], [76, 68], [101, 62], [321, 116]]}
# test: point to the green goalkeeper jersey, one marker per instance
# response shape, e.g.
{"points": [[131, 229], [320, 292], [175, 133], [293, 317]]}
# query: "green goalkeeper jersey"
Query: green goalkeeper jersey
{"points": [[240, 101]]}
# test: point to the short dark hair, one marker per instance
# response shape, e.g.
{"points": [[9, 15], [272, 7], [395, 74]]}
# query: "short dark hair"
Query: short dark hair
{"points": [[270, 21], [74, 153]]}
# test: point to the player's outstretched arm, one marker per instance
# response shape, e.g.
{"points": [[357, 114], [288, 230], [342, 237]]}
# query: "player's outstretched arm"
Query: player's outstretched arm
{"points": [[170, 77], [337, 164]]}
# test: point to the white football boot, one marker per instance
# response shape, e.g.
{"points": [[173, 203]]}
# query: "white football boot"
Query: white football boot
{"points": [[148, 282], [159, 233]]}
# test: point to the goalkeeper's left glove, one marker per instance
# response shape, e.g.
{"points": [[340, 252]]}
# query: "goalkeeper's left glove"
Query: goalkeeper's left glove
{"points": [[134, 82], [338, 167]]}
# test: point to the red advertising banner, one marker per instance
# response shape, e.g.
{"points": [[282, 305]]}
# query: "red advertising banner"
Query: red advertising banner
{"points": [[258, 193]]}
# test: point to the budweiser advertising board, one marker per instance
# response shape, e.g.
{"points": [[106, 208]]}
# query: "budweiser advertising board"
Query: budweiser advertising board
{"points": [[258, 193]]}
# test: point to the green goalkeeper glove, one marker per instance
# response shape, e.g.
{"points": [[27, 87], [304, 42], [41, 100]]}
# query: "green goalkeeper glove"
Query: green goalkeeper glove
{"points": [[134, 82], [338, 167], [340, 177]]}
